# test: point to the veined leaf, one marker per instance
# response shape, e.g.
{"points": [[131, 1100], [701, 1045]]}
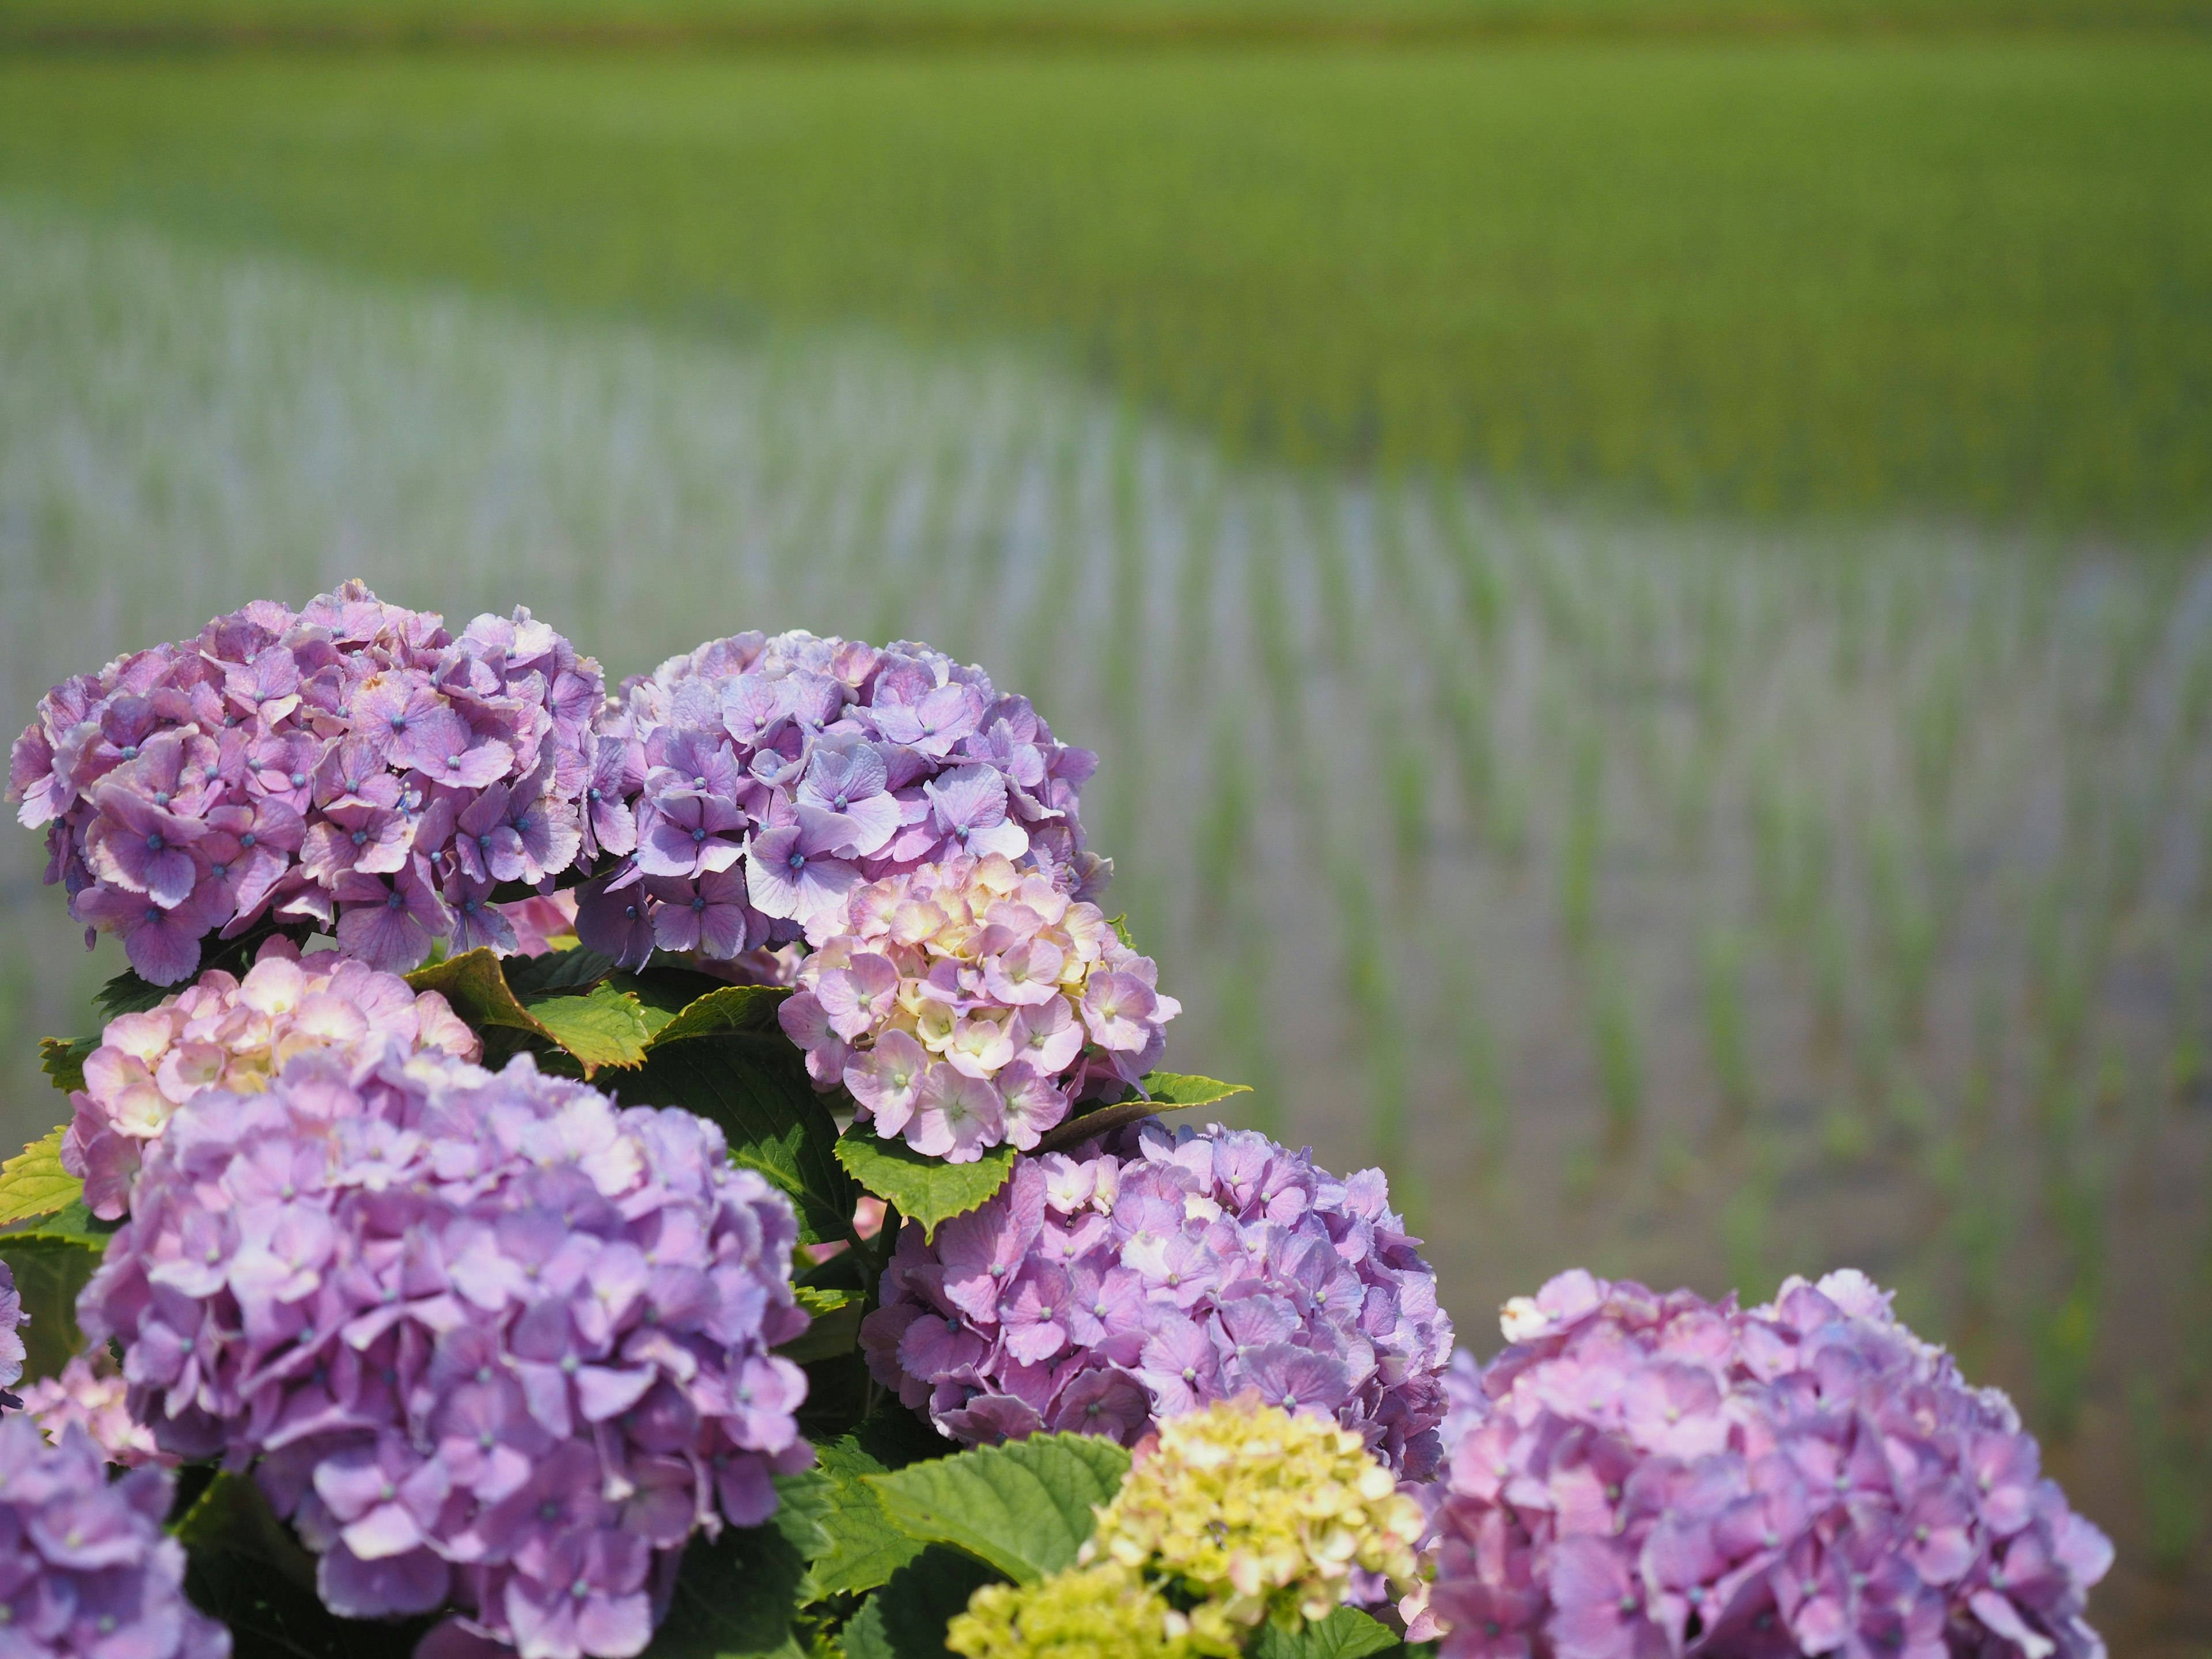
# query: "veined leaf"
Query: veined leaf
{"points": [[1025, 1507], [756, 1088], [63, 1060], [72, 1224], [924, 1189], [127, 993], [33, 1182], [732, 1008], [1171, 1091], [1346, 1633], [1164, 1091], [605, 1026], [476, 985], [555, 971], [734, 1598], [906, 1619], [862, 1546]]}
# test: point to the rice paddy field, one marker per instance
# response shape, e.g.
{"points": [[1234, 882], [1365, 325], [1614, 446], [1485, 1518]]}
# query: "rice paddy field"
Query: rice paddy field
{"points": [[1646, 607]]}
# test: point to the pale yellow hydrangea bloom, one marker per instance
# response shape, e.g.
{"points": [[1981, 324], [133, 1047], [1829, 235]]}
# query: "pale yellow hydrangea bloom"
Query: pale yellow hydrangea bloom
{"points": [[1259, 1514], [1101, 1612]]}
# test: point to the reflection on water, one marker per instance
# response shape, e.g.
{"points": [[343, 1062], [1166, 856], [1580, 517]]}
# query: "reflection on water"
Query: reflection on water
{"points": [[1699, 905]]}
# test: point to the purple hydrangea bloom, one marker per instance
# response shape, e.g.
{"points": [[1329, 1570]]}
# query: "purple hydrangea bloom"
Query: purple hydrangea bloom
{"points": [[90, 1395], [964, 1004], [86, 1571], [1650, 1474], [350, 765], [1098, 1293], [753, 783], [487, 1341], [12, 1320]]}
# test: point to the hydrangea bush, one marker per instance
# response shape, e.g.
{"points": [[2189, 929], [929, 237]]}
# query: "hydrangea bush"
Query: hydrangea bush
{"points": [[682, 1174]]}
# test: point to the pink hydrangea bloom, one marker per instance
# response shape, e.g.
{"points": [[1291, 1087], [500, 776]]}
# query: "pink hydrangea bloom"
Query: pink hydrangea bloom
{"points": [[351, 766], [489, 1342], [1640, 1474], [90, 1395], [964, 1004], [223, 1032]]}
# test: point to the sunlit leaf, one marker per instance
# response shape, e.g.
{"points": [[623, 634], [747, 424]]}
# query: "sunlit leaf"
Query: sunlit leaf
{"points": [[33, 1182], [1025, 1507], [924, 1189], [605, 1026], [63, 1058]]}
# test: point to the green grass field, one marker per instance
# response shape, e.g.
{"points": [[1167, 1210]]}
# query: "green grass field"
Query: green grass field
{"points": [[1957, 276]]}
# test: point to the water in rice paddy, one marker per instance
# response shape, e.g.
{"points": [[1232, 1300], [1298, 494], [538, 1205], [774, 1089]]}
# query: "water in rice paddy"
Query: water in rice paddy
{"points": [[1699, 904]]}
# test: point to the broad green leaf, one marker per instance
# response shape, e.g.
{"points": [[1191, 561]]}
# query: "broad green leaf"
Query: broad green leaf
{"points": [[49, 1272], [756, 1088], [862, 1546], [475, 984], [924, 1189], [1025, 1507], [732, 1008], [1164, 1091], [1346, 1633], [906, 1619], [72, 1224], [33, 1182], [1170, 1092], [836, 1329], [243, 1567], [63, 1060], [605, 1026], [573, 970], [735, 1596]]}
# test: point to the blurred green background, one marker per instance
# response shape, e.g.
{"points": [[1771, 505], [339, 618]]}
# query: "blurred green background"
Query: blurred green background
{"points": [[1638, 567]]}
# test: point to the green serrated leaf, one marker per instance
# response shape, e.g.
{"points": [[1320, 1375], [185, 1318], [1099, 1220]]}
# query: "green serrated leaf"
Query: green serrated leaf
{"points": [[573, 970], [475, 984], [906, 1619], [72, 1224], [1173, 1090], [127, 993], [924, 1189], [756, 1089], [63, 1060], [1346, 1633], [49, 1272], [1025, 1507], [864, 1546], [836, 1329], [605, 1026], [732, 1008], [33, 1182], [735, 1596]]}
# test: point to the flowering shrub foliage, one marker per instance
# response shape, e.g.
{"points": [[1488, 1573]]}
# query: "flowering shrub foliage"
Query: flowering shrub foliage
{"points": [[754, 783], [90, 1394], [351, 764], [1646, 1473], [86, 1572], [964, 1004], [1101, 1293], [514, 1364], [222, 1032], [494, 1340]]}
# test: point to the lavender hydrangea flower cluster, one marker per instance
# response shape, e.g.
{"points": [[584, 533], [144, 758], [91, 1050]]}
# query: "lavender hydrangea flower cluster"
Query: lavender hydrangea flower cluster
{"points": [[350, 765], [486, 1340], [222, 1032], [90, 1395], [965, 1004], [13, 1354], [754, 783], [1098, 1293], [1646, 1473], [86, 1572]]}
